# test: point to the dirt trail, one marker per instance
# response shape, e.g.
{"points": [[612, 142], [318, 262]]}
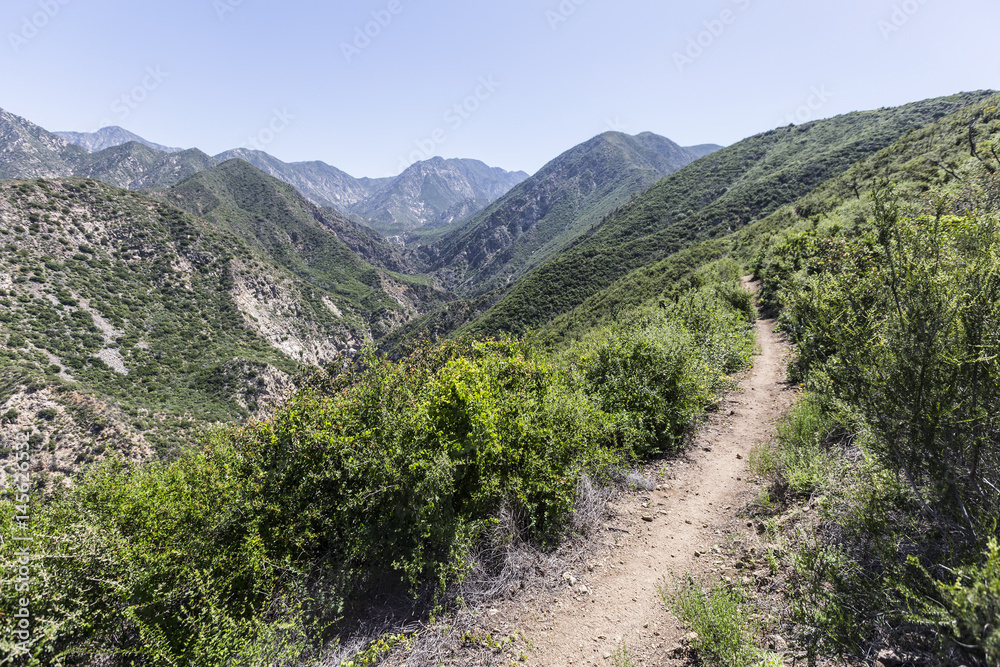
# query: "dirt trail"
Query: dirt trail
{"points": [[693, 513]]}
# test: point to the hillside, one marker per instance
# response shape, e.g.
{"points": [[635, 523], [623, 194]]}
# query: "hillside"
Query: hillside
{"points": [[712, 197], [28, 151], [546, 213], [319, 244], [932, 156], [129, 325]]}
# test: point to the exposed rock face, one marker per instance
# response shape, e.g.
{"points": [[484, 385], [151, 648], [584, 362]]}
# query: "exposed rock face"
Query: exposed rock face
{"points": [[273, 310]]}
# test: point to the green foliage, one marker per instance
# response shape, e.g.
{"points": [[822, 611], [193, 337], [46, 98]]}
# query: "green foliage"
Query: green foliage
{"points": [[905, 332], [966, 610], [719, 618], [895, 320], [658, 368], [710, 198], [800, 460]]}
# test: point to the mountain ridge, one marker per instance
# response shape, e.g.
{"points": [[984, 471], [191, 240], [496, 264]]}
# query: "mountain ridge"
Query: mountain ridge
{"points": [[548, 211], [109, 137]]}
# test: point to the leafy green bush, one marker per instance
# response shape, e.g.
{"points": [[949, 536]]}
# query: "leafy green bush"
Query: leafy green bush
{"points": [[725, 634], [966, 610], [658, 368], [376, 470], [907, 333]]}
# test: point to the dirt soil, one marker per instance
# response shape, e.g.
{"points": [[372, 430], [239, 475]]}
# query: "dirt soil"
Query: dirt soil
{"points": [[657, 539]]}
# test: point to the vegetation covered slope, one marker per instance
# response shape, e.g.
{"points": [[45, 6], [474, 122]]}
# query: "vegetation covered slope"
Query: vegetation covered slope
{"points": [[930, 156], [129, 324], [318, 243], [712, 197], [28, 151], [543, 215]]}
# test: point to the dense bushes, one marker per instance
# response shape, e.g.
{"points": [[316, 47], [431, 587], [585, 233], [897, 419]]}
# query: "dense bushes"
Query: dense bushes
{"points": [[375, 473], [658, 367], [898, 333]]}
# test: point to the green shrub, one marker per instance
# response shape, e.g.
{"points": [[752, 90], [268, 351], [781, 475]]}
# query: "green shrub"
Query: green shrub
{"points": [[907, 334], [658, 368], [967, 610], [725, 633], [800, 458]]}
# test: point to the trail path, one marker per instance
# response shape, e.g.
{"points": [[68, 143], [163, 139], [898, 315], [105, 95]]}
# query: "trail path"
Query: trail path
{"points": [[693, 514]]}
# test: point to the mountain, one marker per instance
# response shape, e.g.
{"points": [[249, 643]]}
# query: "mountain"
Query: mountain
{"points": [[547, 212], [934, 156], [317, 181], [319, 245], [433, 193], [109, 137], [430, 193], [716, 195], [28, 151], [129, 323]]}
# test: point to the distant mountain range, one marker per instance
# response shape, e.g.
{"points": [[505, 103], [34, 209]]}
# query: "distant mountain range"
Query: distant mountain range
{"points": [[427, 194], [109, 137]]}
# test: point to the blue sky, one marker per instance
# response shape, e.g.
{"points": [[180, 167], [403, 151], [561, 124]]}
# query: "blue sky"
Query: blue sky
{"points": [[513, 83]]}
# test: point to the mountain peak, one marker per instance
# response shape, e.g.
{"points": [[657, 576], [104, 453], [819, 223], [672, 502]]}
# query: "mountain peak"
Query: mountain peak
{"points": [[109, 137]]}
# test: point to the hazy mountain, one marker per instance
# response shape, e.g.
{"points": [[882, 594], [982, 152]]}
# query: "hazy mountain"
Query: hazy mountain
{"points": [[434, 192], [320, 183], [547, 212], [108, 137], [28, 151]]}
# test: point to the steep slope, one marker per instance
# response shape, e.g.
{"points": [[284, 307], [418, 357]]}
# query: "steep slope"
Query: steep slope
{"points": [[716, 195], [171, 169], [433, 193], [132, 323], [127, 324], [931, 156], [327, 250], [546, 213], [108, 137], [28, 151], [320, 183], [119, 165]]}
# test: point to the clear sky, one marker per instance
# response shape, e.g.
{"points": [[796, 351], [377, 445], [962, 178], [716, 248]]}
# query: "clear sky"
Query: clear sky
{"points": [[510, 82]]}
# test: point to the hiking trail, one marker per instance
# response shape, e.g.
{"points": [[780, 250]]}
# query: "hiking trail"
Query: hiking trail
{"points": [[661, 536]]}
